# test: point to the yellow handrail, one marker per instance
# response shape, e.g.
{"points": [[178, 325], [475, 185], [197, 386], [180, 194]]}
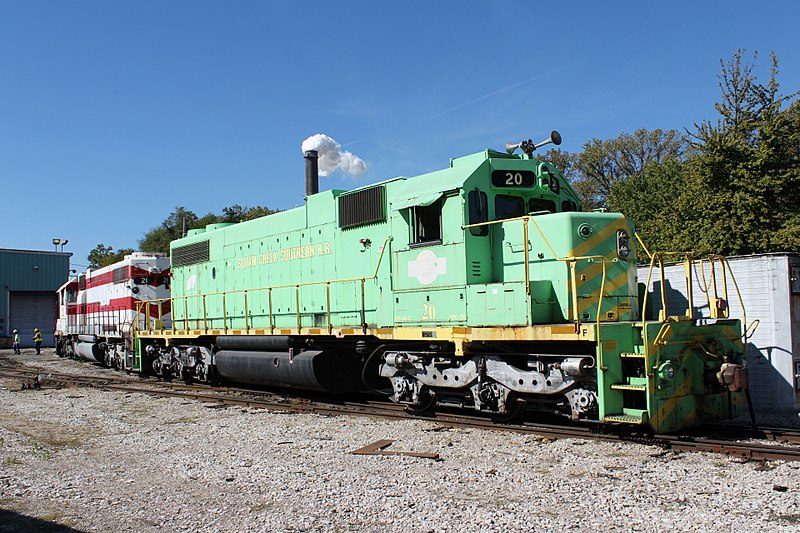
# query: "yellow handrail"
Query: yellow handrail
{"points": [[571, 262], [224, 294], [748, 330]]}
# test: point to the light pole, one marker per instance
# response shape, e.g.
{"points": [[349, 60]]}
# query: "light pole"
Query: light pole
{"points": [[57, 242]]}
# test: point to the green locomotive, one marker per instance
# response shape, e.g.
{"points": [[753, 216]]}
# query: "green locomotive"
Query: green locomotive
{"points": [[482, 285]]}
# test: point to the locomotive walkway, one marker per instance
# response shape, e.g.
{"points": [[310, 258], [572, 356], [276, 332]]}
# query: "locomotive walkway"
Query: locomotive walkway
{"points": [[770, 443]]}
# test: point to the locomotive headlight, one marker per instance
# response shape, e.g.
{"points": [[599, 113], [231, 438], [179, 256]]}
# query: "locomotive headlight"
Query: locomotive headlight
{"points": [[666, 371], [623, 244], [584, 230]]}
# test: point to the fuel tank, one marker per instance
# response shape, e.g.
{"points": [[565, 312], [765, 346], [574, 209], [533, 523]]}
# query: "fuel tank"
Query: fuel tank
{"points": [[311, 370], [89, 351]]}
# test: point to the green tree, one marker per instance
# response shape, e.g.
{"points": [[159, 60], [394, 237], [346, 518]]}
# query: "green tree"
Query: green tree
{"points": [[648, 198], [741, 194], [173, 227], [602, 163], [181, 220], [103, 255]]}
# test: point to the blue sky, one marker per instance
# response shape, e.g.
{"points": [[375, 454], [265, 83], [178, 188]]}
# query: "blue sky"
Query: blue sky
{"points": [[113, 113]]}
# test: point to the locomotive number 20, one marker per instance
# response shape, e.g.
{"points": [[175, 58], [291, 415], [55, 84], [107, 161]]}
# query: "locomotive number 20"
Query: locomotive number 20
{"points": [[513, 178], [428, 311]]}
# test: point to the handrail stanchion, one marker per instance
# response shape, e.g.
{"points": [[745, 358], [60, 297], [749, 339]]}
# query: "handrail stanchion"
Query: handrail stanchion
{"points": [[525, 255], [663, 288], [328, 306], [573, 275], [271, 316], [689, 288], [724, 264], [714, 310], [246, 313], [224, 312], [205, 317], [297, 303], [363, 307]]}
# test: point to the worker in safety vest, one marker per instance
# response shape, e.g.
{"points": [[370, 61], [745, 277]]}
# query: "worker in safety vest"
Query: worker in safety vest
{"points": [[37, 340], [16, 342]]}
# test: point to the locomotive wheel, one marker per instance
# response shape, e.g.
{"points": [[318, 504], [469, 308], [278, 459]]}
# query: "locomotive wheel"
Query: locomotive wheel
{"points": [[516, 406], [425, 407]]}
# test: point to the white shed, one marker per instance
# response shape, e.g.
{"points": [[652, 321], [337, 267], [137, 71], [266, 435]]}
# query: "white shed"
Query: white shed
{"points": [[769, 285]]}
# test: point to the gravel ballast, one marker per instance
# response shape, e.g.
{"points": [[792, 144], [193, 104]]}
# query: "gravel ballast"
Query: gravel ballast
{"points": [[107, 461]]}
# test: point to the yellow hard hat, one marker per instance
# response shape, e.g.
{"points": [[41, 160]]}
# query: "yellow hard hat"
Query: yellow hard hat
{"points": [[35, 329]]}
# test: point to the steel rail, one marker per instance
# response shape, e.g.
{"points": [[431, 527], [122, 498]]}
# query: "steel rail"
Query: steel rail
{"points": [[365, 406]]}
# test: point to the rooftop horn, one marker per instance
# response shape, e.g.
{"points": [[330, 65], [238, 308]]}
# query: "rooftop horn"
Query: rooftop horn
{"points": [[554, 138], [528, 147]]}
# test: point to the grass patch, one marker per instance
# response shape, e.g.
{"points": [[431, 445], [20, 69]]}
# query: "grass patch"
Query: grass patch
{"points": [[260, 507], [10, 460], [39, 451], [54, 436], [57, 517]]}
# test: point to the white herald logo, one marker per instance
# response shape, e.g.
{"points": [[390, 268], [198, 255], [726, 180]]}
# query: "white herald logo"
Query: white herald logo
{"points": [[427, 267]]}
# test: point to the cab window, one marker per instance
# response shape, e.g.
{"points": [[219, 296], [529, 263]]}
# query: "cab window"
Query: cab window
{"points": [[569, 205], [426, 224], [506, 206], [478, 212], [540, 206]]}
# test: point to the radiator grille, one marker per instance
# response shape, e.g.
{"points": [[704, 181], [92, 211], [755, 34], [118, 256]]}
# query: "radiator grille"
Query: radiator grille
{"points": [[120, 274], [190, 254], [362, 207]]}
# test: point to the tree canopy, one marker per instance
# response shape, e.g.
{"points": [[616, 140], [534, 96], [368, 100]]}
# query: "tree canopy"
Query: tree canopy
{"points": [[103, 255], [728, 186], [177, 223], [182, 220]]}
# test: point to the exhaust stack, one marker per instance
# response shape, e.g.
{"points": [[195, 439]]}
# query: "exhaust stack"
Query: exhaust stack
{"points": [[312, 172]]}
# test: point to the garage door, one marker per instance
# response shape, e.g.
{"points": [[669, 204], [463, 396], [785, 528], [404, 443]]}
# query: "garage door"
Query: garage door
{"points": [[31, 310]]}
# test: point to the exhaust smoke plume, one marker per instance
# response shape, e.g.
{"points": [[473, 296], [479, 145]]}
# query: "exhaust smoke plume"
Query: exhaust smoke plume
{"points": [[332, 157]]}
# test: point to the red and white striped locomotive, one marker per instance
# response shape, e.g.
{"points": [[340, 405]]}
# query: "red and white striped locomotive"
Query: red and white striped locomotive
{"points": [[98, 310]]}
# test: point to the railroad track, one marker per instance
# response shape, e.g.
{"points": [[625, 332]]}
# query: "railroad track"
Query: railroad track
{"points": [[725, 439]]}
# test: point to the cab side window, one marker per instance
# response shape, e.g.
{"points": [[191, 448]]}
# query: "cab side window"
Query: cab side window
{"points": [[478, 212], [426, 225]]}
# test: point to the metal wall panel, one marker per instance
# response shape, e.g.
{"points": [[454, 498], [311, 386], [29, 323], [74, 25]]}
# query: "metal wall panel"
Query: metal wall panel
{"points": [[29, 310], [765, 285], [26, 270]]}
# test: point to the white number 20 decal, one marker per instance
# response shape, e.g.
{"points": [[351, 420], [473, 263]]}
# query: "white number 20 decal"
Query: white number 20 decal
{"points": [[513, 178], [428, 311]]}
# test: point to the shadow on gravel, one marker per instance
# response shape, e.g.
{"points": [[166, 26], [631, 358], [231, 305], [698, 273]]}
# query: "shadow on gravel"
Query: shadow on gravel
{"points": [[11, 521]]}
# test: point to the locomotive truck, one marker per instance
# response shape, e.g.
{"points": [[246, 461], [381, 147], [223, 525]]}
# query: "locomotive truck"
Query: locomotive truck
{"points": [[482, 286]]}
